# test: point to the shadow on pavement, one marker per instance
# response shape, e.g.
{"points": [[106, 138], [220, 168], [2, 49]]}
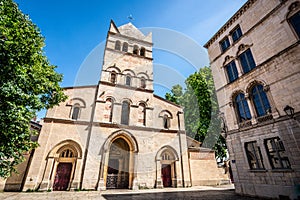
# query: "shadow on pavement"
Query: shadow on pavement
{"points": [[199, 195]]}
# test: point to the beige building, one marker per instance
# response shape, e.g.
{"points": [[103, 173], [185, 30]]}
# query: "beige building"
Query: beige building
{"points": [[255, 60], [119, 134]]}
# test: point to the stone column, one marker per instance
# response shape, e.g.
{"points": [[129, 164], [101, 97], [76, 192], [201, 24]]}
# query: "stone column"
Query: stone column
{"points": [[76, 181], [159, 183], [102, 183], [178, 174], [46, 182], [251, 108], [135, 179]]}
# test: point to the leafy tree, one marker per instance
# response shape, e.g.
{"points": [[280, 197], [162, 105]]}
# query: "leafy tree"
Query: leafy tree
{"points": [[28, 83], [200, 110]]}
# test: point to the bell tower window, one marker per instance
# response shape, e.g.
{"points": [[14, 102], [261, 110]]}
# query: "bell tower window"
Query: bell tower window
{"points": [[118, 45], [142, 51], [128, 80], [113, 77], [125, 47], [135, 50]]}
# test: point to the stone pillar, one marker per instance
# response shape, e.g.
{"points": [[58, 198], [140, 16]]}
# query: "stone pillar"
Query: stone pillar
{"points": [[159, 183], [46, 182], [238, 67], [251, 108], [135, 179], [102, 183], [77, 172], [178, 174]]}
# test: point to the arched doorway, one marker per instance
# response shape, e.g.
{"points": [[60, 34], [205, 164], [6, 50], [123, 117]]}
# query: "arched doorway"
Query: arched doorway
{"points": [[63, 156], [166, 159], [64, 170], [118, 165], [118, 162]]}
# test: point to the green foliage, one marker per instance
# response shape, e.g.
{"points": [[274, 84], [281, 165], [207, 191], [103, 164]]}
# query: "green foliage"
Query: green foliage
{"points": [[200, 110], [28, 83]]}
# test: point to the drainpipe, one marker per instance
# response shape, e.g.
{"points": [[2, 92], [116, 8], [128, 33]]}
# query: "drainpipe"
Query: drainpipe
{"points": [[179, 132], [89, 136]]}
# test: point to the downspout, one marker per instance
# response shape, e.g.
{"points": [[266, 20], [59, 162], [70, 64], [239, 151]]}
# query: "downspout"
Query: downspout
{"points": [[180, 148], [89, 136]]}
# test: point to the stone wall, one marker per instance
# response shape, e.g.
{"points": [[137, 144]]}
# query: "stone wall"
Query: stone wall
{"points": [[204, 168]]}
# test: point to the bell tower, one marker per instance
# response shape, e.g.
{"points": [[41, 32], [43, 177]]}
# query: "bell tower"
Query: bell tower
{"points": [[128, 57]]}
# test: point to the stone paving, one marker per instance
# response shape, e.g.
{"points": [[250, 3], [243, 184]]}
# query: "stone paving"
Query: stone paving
{"points": [[201, 193]]}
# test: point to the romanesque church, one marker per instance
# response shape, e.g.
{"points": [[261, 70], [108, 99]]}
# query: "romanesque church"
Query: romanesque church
{"points": [[118, 133]]}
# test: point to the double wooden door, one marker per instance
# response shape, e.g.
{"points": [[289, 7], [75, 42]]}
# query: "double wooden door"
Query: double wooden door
{"points": [[62, 176], [166, 175]]}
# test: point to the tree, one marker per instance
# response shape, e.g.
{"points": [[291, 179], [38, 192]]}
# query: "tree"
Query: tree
{"points": [[28, 83], [200, 110]]}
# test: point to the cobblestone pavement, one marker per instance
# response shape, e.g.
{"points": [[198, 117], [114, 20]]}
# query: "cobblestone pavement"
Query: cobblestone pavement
{"points": [[201, 193]]}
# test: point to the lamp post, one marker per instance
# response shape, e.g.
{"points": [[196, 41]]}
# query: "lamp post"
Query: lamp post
{"points": [[290, 111]]}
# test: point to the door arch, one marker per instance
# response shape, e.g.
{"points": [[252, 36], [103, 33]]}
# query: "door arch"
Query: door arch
{"points": [[166, 159], [118, 163], [63, 163]]}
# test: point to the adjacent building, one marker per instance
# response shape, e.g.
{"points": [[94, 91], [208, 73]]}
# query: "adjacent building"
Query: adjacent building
{"points": [[255, 61]]}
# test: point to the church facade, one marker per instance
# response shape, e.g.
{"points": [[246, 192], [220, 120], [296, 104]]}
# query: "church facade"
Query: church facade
{"points": [[118, 133]]}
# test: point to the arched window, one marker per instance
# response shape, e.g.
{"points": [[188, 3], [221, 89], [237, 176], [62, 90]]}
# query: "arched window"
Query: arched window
{"points": [[165, 156], [128, 80], [142, 114], [75, 111], [118, 45], [143, 82], [125, 113], [142, 51], [113, 77], [125, 47], [242, 108], [109, 107], [166, 121], [68, 153], [260, 100], [294, 17], [135, 50]]}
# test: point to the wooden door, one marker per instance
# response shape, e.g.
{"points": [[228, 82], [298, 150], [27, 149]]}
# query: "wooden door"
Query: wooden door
{"points": [[62, 177], [166, 175]]}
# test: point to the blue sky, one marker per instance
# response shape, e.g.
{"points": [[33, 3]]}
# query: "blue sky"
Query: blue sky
{"points": [[75, 30]]}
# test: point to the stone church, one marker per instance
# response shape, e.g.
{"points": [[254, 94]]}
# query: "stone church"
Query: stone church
{"points": [[118, 133]]}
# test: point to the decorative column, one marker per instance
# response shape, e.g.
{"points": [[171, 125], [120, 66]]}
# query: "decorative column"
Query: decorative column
{"points": [[252, 111]]}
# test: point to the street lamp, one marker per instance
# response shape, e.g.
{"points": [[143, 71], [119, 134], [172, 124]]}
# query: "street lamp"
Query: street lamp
{"points": [[290, 111]]}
